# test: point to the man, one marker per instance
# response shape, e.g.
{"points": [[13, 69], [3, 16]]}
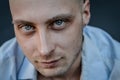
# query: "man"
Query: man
{"points": [[53, 43]]}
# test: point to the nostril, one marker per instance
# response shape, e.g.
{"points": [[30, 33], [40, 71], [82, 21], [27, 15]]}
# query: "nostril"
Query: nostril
{"points": [[35, 61]]}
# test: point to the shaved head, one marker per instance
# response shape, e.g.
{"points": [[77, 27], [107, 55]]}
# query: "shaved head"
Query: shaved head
{"points": [[25, 2], [78, 1], [51, 31]]}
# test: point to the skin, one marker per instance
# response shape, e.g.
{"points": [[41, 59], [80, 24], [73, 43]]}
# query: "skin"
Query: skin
{"points": [[50, 34]]}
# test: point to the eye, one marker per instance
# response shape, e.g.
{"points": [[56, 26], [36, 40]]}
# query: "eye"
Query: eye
{"points": [[27, 28], [59, 24]]}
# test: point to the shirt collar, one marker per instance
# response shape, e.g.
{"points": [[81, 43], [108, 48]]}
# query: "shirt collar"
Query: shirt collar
{"points": [[93, 66], [27, 71]]}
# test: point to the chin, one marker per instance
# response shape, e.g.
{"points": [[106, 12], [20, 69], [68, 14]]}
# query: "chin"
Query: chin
{"points": [[53, 72]]}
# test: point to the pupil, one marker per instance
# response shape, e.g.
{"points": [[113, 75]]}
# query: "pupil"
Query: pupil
{"points": [[27, 27], [59, 22]]}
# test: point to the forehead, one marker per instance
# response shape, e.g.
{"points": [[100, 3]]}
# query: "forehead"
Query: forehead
{"points": [[41, 3], [41, 8]]}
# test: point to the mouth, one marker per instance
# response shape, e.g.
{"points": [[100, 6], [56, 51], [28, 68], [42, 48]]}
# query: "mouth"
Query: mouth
{"points": [[50, 63]]}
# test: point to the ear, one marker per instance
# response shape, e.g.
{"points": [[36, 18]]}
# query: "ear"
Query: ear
{"points": [[86, 12]]}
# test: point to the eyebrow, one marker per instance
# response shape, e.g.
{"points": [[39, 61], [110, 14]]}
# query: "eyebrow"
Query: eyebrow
{"points": [[62, 16], [22, 22], [57, 17]]}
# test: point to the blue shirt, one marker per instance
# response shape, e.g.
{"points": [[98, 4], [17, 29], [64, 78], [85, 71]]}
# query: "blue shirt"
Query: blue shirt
{"points": [[100, 58]]}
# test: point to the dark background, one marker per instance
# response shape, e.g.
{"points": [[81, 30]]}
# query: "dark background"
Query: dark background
{"points": [[104, 14]]}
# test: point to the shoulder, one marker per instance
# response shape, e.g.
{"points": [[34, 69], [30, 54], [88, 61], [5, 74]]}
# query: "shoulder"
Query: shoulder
{"points": [[6, 49], [9, 48], [98, 34], [108, 49], [104, 42], [11, 58]]}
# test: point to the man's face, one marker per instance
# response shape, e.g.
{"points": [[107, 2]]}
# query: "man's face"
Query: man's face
{"points": [[50, 33]]}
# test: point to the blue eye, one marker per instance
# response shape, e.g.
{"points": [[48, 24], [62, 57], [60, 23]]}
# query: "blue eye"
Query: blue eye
{"points": [[59, 22], [27, 28], [59, 25]]}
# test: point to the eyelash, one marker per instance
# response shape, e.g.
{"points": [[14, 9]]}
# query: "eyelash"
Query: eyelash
{"points": [[65, 22], [50, 26], [20, 27]]}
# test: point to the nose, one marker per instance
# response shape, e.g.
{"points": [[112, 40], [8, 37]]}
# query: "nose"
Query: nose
{"points": [[44, 45]]}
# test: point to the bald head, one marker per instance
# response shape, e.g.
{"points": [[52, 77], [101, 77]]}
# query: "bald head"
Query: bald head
{"points": [[48, 26], [78, 1], [21, 8]]}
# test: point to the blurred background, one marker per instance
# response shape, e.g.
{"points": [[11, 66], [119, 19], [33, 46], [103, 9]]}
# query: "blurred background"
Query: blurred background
{"points": [[105, 14]]}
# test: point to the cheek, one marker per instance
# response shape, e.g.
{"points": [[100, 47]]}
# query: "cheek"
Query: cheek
{"points": [[72, 37], [73, 46], [68, 40], [27, 45]]}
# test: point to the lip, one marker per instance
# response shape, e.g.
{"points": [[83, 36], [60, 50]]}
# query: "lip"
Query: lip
{"points": [[50, 64]]}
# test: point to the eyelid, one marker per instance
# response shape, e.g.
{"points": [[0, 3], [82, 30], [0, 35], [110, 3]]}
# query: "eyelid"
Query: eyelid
{"points": [[56, 27], [62, 19], [65, 17], [21, 27]]}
